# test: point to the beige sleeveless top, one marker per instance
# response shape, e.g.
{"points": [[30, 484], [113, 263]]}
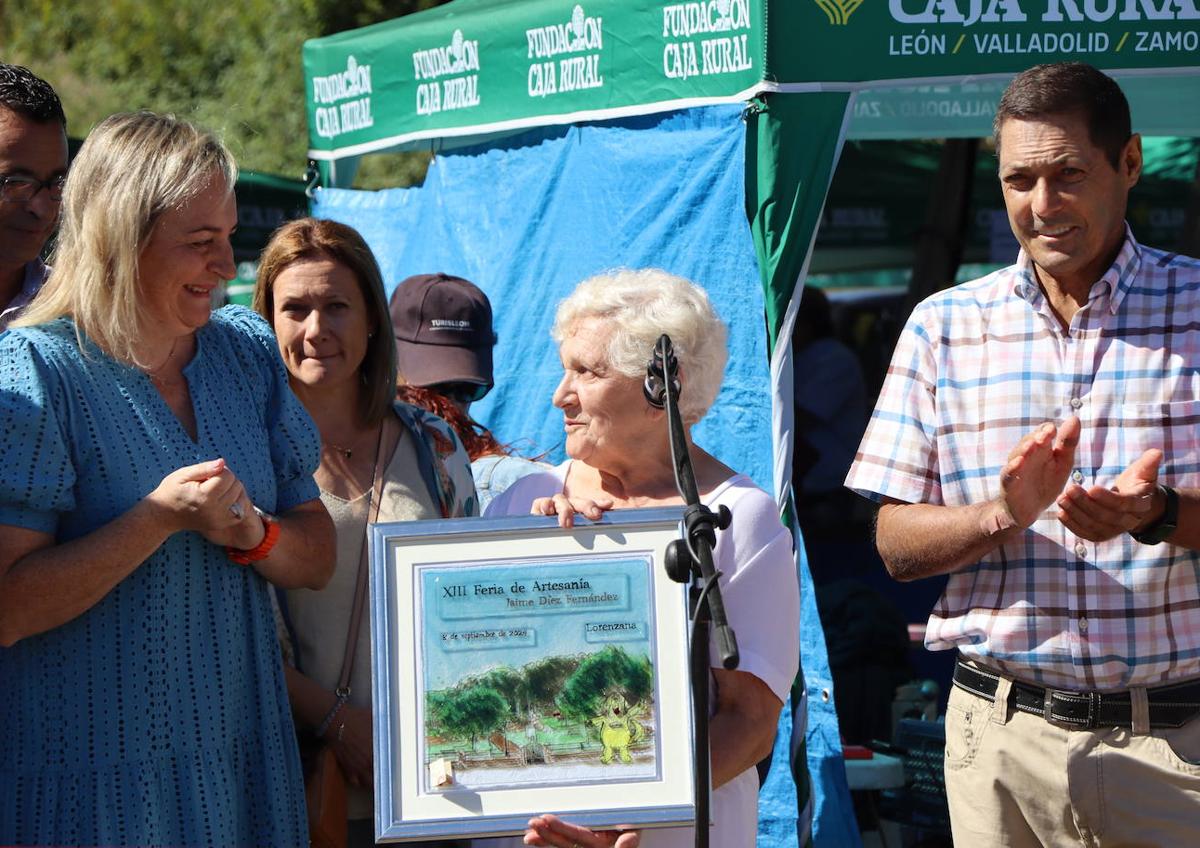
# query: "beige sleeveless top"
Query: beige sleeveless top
{"points": [[320, 619]]}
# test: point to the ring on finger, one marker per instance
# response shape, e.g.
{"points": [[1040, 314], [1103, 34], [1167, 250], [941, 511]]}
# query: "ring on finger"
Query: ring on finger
{"points": [[236, 509]]}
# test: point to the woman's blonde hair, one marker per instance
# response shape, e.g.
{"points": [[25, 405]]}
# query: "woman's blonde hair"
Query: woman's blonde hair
{"points": [[132, 168], [315, 238], [640, 305]]}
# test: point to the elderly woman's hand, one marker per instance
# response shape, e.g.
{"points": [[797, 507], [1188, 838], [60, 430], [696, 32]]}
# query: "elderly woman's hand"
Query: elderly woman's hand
{"points": [[566, 507], [209, 498], [551, 830]]}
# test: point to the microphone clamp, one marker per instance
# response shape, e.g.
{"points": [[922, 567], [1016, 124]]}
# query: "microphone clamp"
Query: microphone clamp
{"points": [[657, 370]]}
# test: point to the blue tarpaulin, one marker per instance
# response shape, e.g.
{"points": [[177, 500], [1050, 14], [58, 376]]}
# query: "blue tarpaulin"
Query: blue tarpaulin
{"points": [[527, 217]]}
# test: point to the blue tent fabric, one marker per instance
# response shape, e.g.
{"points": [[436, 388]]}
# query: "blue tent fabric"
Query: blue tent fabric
{"points": [[527, 217], [833, 822], [527, 220], [778, 824]]}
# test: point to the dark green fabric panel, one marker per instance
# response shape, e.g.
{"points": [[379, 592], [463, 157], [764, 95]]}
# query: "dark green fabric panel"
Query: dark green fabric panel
{"points": [[791, 150]]}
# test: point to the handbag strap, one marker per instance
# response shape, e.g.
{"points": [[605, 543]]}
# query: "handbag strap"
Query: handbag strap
{"points": [[360, 586]]}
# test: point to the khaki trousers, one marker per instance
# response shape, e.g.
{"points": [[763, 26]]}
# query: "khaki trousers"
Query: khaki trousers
{"points": [[1014, 779]]}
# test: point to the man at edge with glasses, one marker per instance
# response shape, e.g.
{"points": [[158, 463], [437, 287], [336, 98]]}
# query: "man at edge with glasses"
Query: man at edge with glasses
{"points": [[33, 167]]}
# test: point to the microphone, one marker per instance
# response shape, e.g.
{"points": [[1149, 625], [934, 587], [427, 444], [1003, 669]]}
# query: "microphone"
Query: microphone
{"points": [[657, 372]]}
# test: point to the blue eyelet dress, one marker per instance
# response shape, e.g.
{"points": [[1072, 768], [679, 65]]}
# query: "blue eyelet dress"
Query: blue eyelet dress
{"points": [[159, 716]]}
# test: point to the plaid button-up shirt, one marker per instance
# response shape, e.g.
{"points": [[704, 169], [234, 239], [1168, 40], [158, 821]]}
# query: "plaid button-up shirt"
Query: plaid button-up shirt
{"points": [[980, 365]]}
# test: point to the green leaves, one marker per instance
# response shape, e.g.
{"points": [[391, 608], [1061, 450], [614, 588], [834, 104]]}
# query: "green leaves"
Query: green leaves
{"points": [[471, 712], [234, 68], [611, 669]]}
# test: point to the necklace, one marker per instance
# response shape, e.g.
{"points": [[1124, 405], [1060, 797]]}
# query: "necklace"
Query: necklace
{"points": [[153, 373], [343, 474], [346, 451]]}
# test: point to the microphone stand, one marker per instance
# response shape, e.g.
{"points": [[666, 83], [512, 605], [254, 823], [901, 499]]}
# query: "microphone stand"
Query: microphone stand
{"points": [[690, 560]]}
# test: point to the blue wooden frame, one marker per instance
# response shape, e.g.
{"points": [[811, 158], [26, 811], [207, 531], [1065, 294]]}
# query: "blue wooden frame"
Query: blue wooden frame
{"points": [[393, 610]]}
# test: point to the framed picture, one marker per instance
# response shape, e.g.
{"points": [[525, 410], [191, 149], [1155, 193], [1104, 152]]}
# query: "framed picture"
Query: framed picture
{"points": [[521, 669]]}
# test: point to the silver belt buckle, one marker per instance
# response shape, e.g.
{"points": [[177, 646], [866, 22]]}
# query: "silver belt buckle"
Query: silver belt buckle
{"points": [[1063, 696]]}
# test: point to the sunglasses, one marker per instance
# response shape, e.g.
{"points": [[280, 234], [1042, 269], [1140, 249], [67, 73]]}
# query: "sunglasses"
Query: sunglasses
{"points": [[462, 392]]}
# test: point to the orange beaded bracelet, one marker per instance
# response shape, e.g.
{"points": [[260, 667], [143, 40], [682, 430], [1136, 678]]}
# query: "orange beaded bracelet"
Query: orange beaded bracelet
{"points": [[263, 549]]}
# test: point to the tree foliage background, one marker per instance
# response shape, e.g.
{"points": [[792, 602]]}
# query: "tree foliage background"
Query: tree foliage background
{"points": [[611, 668], [234, 67], [472, 712]]}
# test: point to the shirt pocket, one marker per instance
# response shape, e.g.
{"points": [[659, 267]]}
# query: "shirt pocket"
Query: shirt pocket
{"points": [[1173, 427]]}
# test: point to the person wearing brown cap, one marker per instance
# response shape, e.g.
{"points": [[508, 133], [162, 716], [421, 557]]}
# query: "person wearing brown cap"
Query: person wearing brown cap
{"points": [[444, 337], [444, 340]]}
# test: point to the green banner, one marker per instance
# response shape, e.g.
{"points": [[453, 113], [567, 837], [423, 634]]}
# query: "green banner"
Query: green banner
{"points": [[482, 66], [792, 146], [487, 65], [853, 41]]}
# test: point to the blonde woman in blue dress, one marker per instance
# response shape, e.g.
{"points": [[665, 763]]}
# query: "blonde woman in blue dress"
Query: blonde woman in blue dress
{"points": [[144, 700]]}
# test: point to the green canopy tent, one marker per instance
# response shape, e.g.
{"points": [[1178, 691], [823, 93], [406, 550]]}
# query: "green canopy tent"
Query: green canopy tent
{"points": [[812, 73], [917, 69]]}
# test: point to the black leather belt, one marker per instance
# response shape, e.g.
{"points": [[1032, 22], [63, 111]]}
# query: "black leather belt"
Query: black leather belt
{"points": [[1170, 706]]}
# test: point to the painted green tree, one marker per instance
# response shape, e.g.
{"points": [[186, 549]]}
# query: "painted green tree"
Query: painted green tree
{"points": [[545, 678], [611, 668], [471, 712], [509, 682], [434, 705]]}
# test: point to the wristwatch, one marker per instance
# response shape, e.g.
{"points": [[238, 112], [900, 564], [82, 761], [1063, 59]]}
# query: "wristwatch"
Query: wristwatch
{"points": [[1166, 524], [263, 549]]}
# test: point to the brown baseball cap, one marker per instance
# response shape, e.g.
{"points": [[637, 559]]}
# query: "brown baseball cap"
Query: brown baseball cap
{"points": [[443, 328]]}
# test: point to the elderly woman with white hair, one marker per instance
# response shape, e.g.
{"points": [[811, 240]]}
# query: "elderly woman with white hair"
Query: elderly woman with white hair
{"points": [[155, 477], [620, 457]]}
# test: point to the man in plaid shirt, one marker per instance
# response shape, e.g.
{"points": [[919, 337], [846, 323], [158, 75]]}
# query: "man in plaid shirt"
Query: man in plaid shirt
{"points": [[1038, 439]]}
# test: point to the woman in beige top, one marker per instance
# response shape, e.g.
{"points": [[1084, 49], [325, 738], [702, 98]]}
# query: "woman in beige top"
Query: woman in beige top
{"points": [[320, 288]]}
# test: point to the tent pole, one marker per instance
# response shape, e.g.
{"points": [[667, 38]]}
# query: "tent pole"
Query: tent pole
{"points": [[792, 145]]}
